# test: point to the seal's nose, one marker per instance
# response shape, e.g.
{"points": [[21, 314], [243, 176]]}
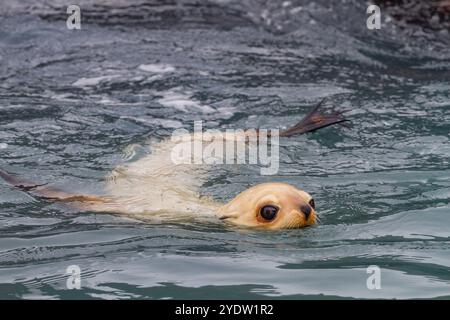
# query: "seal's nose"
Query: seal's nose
{"points": [[306, 209]]}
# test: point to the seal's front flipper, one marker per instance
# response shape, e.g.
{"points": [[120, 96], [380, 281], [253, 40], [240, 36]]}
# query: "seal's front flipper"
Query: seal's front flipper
{"points": [[314, 120], [47, 192]]}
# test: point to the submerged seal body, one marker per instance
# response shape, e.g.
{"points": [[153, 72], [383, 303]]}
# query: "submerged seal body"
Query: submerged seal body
{"points": [[154, 188]]}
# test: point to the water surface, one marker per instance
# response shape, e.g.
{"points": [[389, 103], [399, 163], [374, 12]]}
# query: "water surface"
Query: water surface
{"points": [[72, 102]]}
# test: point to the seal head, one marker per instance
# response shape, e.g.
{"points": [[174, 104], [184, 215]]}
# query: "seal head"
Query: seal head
{"points": [[271, 206]]}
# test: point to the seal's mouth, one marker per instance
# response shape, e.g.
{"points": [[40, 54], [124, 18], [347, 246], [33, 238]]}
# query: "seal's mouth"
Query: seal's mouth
{"points": [[313, 219]]}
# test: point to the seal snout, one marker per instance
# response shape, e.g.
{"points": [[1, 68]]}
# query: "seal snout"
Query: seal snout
{"points": [[306, 209]]}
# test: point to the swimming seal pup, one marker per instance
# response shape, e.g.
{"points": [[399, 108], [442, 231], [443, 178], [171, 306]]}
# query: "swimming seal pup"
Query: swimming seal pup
{"points": [[153, 188]]}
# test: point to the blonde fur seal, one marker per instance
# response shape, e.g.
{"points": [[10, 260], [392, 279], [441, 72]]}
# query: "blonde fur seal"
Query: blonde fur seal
{"points": [[154, 188]]}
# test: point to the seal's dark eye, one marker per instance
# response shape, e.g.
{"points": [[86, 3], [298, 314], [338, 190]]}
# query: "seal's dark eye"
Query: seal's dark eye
{"points": [[312, 204], [268, 212]]}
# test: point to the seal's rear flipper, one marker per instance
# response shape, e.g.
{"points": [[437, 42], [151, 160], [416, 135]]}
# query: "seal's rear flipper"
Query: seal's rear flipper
{"points": [[43, 191], [314, 120]]}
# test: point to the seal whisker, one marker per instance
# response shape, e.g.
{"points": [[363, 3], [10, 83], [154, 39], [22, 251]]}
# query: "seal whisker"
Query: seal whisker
{"points": [[318, 220]]}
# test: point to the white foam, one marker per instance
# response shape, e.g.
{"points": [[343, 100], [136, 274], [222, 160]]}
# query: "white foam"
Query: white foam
{"points": [[87, 82], [3, 145], [157, 68], [166, 123], [183, 102]]}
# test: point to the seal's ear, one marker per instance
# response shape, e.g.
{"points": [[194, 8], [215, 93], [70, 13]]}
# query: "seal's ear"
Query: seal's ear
{"points": [[46, 192], [314, 120], [231, 215]]}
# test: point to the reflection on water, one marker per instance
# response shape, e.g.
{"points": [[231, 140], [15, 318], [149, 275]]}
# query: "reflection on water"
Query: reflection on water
{"points": [[72, 102]]}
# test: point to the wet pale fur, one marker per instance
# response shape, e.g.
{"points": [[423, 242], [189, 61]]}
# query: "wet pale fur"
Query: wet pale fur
{"points": [[155, 186]]}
